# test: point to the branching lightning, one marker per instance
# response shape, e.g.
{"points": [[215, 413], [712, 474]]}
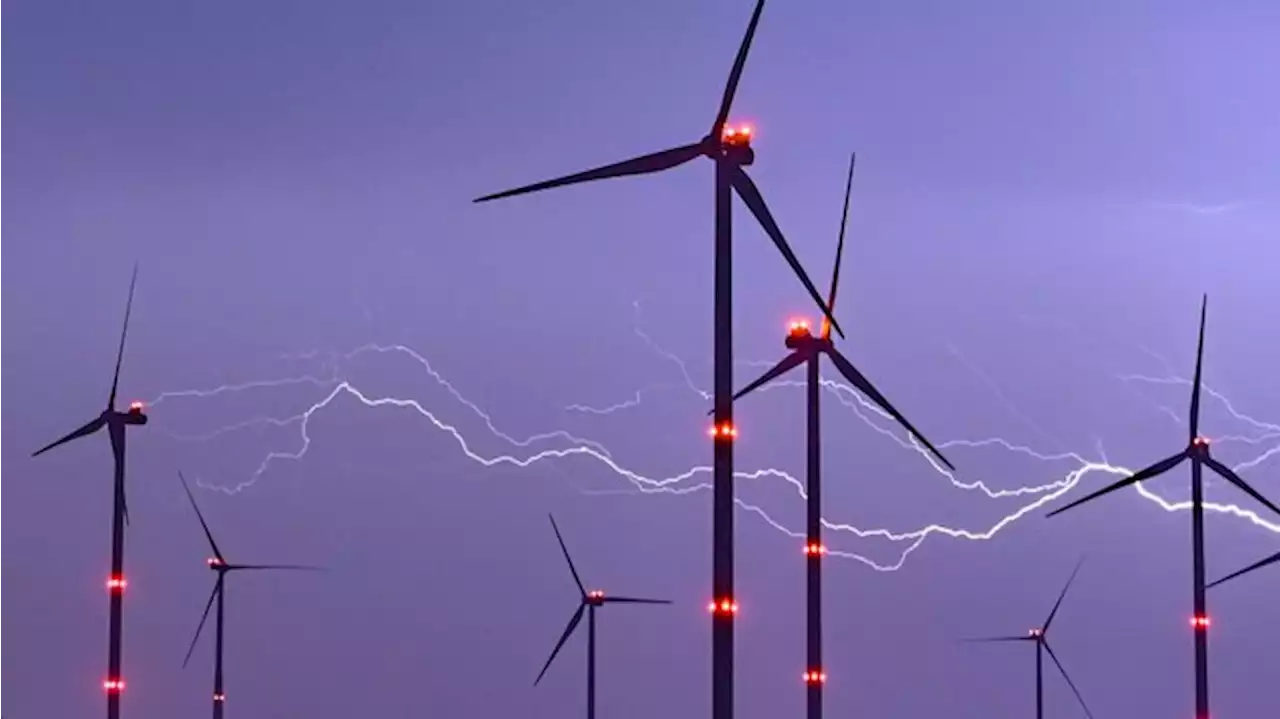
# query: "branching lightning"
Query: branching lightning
{"points": [[535, 449]]}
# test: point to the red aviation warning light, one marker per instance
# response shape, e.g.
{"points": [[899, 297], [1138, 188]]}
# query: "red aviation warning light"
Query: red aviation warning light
{"points": [[799, 326], [219, 697], [1036, 633], [1200, 623], [214, 562], [723, 607], [116, 584], [739, 135], [815, 676], [113, 686], [814, 549], [595, 594], [724, 430], [1200, 441], [137, 406]]}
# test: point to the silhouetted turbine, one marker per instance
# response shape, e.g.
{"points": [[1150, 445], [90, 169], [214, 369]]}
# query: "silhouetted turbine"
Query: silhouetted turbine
{"points": [[730, 149], [591, 600], [219, 564], [1039, 636], [1198, 452], [115, 422], [806, 350]]}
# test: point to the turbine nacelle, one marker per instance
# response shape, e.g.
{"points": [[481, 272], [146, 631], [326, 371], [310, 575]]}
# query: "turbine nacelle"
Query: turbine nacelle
{"points": [[216, 564], [1200, 446], [136, 414], [595, 598], [733, 144], [1036, 633], [797, 333]]}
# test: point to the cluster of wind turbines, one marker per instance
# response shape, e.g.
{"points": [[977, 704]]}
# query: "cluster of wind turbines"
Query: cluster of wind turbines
{"points": [[729, 147], [116, 423]]}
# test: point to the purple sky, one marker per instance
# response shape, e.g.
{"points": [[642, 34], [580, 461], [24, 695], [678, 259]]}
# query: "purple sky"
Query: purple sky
{"points": [[1042, 195]]}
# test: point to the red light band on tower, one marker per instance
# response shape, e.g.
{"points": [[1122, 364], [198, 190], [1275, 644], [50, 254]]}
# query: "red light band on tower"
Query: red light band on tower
{"points": [[723, 431], [113, 686], [1200, 623], [116, 584], [726, 607], [815, 676], [219, 697], [814, 549]]}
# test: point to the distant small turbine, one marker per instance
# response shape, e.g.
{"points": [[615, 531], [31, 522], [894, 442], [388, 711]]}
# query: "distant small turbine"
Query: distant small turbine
{"points": [[591, 600], [1039, 636], [219, 564]]}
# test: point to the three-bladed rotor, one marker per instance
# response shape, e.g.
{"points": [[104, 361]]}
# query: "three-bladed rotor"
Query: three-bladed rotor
{"points": [[804, 346], [1197, 448], [724, 145], [1039, 636], [219, 564], [590, 599]]}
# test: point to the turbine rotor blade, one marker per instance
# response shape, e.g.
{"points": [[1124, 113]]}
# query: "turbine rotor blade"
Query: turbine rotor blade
{"points": [[864, 386], [568, 631], [1195, 386], [835, 273], [1053, 612], [304, 567], [1154, 470], [645, 164], [987, 640], [1070, 683], [788, 363], [634, 600], [1228, 474], [84, 431], [735, 74], [203, 525], [128, 308], [1256, 565], [217, 587], [754, 201], [577, 580]]}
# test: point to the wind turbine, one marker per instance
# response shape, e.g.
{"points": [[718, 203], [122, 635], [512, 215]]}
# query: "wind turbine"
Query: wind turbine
{"points": [[116, 423], [591, 601], [807, 350], [1038, 636], [1197, 451], [730, 149], [219, 564]]}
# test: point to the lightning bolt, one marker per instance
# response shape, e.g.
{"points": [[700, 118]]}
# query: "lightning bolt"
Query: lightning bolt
{"points": [[534, 450]]}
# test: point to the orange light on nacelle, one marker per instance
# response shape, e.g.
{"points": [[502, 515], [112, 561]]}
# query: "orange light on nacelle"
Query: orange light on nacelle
{"points": [[137, 406], [741, 131], [1201, 441], [799, 326], [595, 594], [214, 562]]}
